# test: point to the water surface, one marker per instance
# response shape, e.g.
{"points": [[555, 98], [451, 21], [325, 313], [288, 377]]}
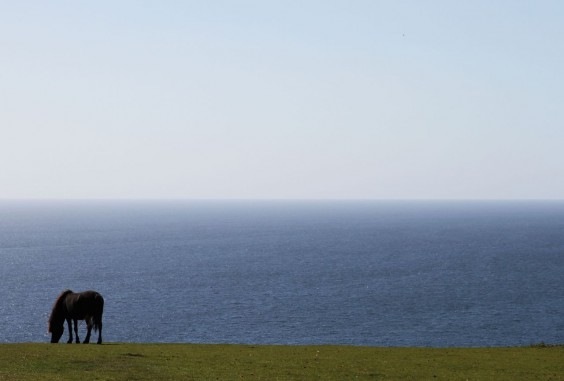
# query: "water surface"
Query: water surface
{"points": [[265, 272]]}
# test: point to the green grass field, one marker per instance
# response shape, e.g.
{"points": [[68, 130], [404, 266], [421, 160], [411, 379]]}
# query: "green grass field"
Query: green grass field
{"points": [[242, 362]]}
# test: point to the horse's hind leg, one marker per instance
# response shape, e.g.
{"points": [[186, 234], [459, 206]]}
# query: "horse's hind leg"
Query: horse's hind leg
{"points": [[69, 341], [99, 332], [76, 331], [88, 332]]}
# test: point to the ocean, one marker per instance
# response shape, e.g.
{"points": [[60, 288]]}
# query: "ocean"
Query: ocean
{"points": [[377, 273]]}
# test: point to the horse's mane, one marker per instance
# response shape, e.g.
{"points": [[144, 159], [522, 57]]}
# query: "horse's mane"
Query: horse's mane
{"points": [[55, 312]]}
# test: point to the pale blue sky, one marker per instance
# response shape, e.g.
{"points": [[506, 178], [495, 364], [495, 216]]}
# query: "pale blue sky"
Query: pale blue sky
{"points": [[282, 99]]}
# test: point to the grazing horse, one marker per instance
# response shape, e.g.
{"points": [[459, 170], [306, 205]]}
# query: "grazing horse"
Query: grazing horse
{"points": [[87, 305]]}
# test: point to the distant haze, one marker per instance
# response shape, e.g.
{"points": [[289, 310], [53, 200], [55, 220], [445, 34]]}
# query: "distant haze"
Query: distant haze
{"points": [[282, 99]]}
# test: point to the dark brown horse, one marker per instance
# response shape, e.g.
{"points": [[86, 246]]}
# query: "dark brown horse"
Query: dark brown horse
{"points": [[87, 305]]}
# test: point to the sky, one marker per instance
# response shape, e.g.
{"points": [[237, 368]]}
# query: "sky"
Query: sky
{"points": [[282, 99]]}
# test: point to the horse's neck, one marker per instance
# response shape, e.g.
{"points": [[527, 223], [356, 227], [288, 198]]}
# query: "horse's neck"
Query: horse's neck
{"points": [[58, 315], [61, 311]]}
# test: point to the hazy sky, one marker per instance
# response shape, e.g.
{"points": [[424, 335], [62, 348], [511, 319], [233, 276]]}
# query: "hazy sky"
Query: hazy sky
{"points": [[282, 99]]}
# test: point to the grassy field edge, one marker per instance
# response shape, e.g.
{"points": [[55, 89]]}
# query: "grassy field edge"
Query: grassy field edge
{"points": [[128, 361]]}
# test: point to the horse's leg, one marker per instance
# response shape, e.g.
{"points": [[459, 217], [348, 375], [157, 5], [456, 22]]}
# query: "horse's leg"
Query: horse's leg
{"points": [[76, 331], [69, 341], [99, 331], [89, 330]]}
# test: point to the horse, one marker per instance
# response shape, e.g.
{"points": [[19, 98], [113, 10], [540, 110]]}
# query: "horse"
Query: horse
{"points": [[87, 305]]}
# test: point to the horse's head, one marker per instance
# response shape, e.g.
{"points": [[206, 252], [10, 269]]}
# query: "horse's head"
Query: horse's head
{"points": [[57, 318], [56, 332]]}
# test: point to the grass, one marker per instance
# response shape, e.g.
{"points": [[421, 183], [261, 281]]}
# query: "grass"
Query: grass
{"points": [[243, 362]]}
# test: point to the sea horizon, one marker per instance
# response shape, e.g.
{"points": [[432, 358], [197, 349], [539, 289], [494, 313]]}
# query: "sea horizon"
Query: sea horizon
{"points": [[378, 273]]}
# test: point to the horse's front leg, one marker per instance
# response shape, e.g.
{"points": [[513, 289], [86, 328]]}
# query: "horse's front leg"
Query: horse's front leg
{"points": [[76, 331], [69, 341]]}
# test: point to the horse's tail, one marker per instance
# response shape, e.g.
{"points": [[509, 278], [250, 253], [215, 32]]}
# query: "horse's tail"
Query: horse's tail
{"points": [[57, 311], [99, 310]]}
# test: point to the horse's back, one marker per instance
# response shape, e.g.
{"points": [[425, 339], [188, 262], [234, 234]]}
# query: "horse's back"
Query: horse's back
{"points": [[84, 303], [95, 297], [90, 294]]}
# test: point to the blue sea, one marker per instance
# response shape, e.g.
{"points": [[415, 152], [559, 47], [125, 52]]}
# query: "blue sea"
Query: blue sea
{"points": [[405, 273]]}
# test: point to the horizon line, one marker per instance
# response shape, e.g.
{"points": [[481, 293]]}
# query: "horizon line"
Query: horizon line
{"points": [[273, 199]]}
